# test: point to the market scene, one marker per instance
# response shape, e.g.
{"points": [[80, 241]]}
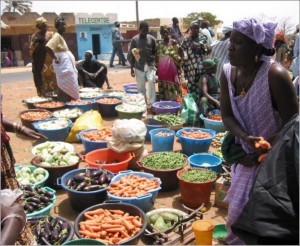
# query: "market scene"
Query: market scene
{"points": [[180, 130]]}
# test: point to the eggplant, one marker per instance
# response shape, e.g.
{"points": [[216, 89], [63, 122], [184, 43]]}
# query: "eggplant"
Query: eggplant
{"points": [[28, 194], [53, 223], [47, 227], [33, 204], [65, 226], [45, 241], [37, 230], [102, 179], [33, 199], [95, 182], [70, 182], [28, 208], [49, 194], [45, 199], [88, 174], [28, 188], [81, 185], [54, 234], [109, 176], [97, 173], [78, 178], [92, 187]]}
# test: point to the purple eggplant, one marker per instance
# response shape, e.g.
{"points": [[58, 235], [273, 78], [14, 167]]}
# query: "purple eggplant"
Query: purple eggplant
{"points": [[70, 182], [49, 194], [102, 179], [97, 173], [109, 176], [92, 187], [28, 208], [79, 178], [33, 199], [44, 241], [81, 186]]}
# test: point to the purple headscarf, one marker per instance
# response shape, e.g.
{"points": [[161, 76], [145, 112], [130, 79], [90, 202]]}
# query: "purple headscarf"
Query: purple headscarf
{"points": [[261, 32]]}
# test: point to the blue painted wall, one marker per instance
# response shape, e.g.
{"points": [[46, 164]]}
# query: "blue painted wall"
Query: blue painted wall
{"points": [[104, 30]]}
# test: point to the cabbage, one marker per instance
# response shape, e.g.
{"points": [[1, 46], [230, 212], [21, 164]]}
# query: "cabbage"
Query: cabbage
{"points": [[25, 170]]}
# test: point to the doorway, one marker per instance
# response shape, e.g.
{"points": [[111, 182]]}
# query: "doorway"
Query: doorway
{"points": [[96, 45]]}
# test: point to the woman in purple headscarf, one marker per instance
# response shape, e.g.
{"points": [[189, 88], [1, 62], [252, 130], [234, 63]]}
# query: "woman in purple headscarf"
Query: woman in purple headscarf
{"points": [[257, 99]]}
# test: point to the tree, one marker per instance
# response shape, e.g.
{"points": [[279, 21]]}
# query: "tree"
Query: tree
{"points": [[202, 15], [21, 6]]}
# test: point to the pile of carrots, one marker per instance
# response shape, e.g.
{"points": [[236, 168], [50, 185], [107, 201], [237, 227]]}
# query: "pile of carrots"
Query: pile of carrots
{"points": [[196, 134], [31, 116], [132, 186], [98, 135], [215, 117], [109, 226], [163, 134], [52, 104], [108, 100], [80, 102]]}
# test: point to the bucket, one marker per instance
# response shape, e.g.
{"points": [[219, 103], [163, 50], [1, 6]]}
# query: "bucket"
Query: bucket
{"points": [[205, 160], [108, 156], [162, 143], [191, 146], [54, 134], [28, 123], [107, 110], [55, 172], [203, 230], [83, 107], [80, 200], [194, 194], [150, 125], [216, 125], [91, 145]]}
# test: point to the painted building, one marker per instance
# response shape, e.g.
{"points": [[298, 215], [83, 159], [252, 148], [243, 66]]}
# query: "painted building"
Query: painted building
{"points": [[94, 33]]}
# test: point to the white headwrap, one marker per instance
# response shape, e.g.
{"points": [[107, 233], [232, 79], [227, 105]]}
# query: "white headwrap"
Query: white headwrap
{"points": [[89, 51]]}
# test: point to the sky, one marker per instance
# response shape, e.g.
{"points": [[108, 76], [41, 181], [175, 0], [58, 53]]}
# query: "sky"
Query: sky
{"points": [[227, 11]]}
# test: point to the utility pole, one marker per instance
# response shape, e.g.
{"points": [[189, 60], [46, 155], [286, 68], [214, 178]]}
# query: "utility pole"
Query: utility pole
{"points": [[137, 14]]}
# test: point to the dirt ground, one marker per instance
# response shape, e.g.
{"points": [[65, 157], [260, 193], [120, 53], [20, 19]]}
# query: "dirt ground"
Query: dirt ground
{"points": [[14, 93]]}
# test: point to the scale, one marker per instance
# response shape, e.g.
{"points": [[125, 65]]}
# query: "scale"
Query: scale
{"points": [[180, 232]]}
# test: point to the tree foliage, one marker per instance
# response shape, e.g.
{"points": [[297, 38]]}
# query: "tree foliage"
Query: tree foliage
{"points": [[21, 6], [198, 16]]}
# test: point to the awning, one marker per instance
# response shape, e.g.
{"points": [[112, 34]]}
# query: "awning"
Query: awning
{"points": [[4, 26]]}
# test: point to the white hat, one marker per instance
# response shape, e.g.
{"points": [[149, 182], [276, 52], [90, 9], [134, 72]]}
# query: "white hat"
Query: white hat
{"points": [[89, 51], [226, 29]]}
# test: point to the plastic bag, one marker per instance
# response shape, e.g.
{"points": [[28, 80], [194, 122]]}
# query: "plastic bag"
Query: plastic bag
{"points": [[129, 136], [189, 111], [88, 120], [8, 196]]}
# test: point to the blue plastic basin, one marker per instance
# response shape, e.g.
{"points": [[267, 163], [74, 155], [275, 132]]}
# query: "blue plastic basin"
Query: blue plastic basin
{"points": [[162, 143], [192, 146], [205, 160], [145, 202], [91, 145]]}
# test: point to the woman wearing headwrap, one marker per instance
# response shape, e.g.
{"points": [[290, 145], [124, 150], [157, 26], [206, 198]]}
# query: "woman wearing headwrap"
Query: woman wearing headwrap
{"points": [[210, 86], [196, 50], [64, 63], [257, 99], [42, 69], [168, 59]]}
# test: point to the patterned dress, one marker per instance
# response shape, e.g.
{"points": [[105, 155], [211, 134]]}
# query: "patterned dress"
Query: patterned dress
{"points": [[42, 68], [8, 181], [255, 114], [192, 65], [168, 62]]}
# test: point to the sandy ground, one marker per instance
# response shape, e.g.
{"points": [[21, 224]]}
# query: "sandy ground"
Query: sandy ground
{"points": [[14, 93]]}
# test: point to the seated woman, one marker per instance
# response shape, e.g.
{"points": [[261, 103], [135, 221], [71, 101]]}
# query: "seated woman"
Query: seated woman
{"points": [[210, 87]]}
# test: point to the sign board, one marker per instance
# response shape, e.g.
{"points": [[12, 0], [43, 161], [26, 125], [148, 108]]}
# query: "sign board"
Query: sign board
{"points": [[94, 19]]}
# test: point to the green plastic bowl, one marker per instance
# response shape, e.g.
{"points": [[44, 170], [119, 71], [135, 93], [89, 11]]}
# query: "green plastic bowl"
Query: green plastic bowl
{"points": [[84, 241], [32, 168], [129, 115], [46, 210], [219, 231]]}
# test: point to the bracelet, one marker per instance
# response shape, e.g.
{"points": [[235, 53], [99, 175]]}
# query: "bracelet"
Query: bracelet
{"points": [[16, 127], [15, 216], [22, 129]]}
